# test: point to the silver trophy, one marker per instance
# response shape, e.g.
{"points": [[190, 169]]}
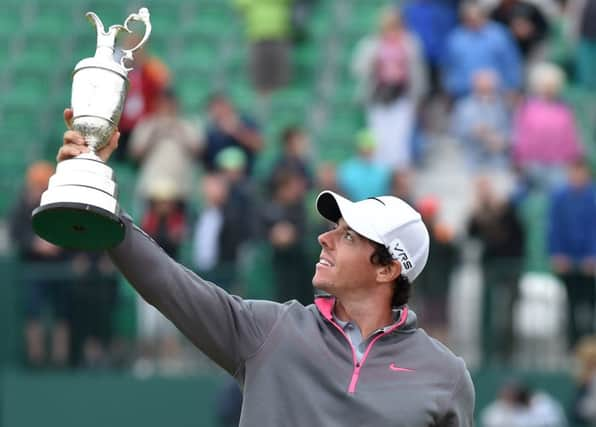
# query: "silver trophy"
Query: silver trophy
{"points": [[79, 210]]}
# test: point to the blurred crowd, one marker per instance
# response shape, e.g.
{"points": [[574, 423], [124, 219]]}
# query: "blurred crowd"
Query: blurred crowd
{"points": [[480, 73]]}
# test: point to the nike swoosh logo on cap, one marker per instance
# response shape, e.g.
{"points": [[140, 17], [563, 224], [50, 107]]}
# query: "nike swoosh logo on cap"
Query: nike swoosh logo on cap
{"points": [[398, 369]]}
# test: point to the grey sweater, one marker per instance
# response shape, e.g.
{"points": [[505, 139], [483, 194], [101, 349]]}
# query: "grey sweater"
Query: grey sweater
{"points": [[295, 365]]}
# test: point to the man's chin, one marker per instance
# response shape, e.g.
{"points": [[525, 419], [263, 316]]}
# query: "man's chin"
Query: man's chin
{"points": [[320, 285]]}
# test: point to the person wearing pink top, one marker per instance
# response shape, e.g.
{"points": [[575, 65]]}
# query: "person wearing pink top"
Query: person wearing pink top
{"points": [[545, 136]]}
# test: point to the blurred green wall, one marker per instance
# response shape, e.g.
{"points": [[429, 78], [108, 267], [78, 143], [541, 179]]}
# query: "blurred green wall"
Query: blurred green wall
{"points": [[100, 400], [75, 400]]}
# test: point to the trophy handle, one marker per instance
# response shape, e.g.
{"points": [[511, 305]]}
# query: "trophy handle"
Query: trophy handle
{"points": [[94, 19], [105, 40], [143, 16]]}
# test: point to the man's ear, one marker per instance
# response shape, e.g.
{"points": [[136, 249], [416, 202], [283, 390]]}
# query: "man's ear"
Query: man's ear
{"points": [[388, 273]]}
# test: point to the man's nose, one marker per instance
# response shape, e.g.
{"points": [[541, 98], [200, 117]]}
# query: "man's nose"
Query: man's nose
{"points": [[325, 239]]}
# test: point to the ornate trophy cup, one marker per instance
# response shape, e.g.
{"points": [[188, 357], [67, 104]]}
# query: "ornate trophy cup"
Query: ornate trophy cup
{"points": [[79, 210]]}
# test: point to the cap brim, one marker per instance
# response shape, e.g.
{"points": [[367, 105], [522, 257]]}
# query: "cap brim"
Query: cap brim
{"points": [[332, 207], [328, 205]]}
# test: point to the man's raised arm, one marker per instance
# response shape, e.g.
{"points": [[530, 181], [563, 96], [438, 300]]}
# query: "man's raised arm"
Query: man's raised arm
{"points": [[226, 328]]}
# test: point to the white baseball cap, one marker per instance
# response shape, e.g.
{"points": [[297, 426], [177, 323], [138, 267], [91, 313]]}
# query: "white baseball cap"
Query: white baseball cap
{"points": [[387, 220]]}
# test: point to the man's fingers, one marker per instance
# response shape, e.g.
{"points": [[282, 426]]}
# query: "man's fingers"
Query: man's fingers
{"points": [[70, 151], [68, 118], [107, 151], [114, 140], [73, 137]]}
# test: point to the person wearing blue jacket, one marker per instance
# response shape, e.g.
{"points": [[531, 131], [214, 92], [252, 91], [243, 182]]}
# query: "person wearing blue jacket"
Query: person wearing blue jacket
{"points": [[432, 21], [572, 247], [478, 44]]}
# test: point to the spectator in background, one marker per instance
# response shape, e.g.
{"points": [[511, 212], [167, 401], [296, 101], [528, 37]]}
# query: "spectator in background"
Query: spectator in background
{"points": [[229, 128], [401, 185], [432, 286], [94, 298], [572, 246], [209, 231], [46, 290], [480, 44], [431, 21], [284, 221], [583, 23], [294, 156], [526, 21], [301, 12], [545, 137], [481, 123], [148, 78], [240, 217], [268, 29], [360, 177], [495, 224], [583, 409], [392, 79], [326, 178], [519, 406], [165, 145], [165, 218], [228, 404]]}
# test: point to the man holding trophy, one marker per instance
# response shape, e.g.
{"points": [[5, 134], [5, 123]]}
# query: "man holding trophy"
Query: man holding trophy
{"points": [[355, 357]]}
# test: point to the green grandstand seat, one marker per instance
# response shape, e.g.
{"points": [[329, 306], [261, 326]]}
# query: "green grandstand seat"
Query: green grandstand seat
{"points": [[192, 93], [320, 26], [84, 37], [163, 26], [256, 273], [559, 49], [217, 21], [110, 12], [27, 90], [363, 20], [305, 63], [5, 50], [51, 24], [291, 100], [236, 64], [162, 47], [242, 95], [336, 142], [159, 9], [126, 177], [35, 59], [20, 141], [349, 120], [534, 212], [344, 94], [11, 24], [189, 67]]}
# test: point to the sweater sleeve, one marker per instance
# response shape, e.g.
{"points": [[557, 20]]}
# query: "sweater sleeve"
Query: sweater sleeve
{"points": [[460, 410], [226, 328]]}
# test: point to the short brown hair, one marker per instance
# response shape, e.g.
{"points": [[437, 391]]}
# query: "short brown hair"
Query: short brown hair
{"points": [[402, 287]]}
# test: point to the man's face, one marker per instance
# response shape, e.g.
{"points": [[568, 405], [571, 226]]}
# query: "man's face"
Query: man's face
{"points": [[344, 263], [220, 110], [579, 175], [473, 17]]}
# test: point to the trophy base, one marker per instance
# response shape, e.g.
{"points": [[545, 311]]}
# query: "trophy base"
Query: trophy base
{"points": [[78, 226]]}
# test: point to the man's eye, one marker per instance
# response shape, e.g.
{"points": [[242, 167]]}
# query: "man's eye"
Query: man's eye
{"points": [[348, 236]]}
